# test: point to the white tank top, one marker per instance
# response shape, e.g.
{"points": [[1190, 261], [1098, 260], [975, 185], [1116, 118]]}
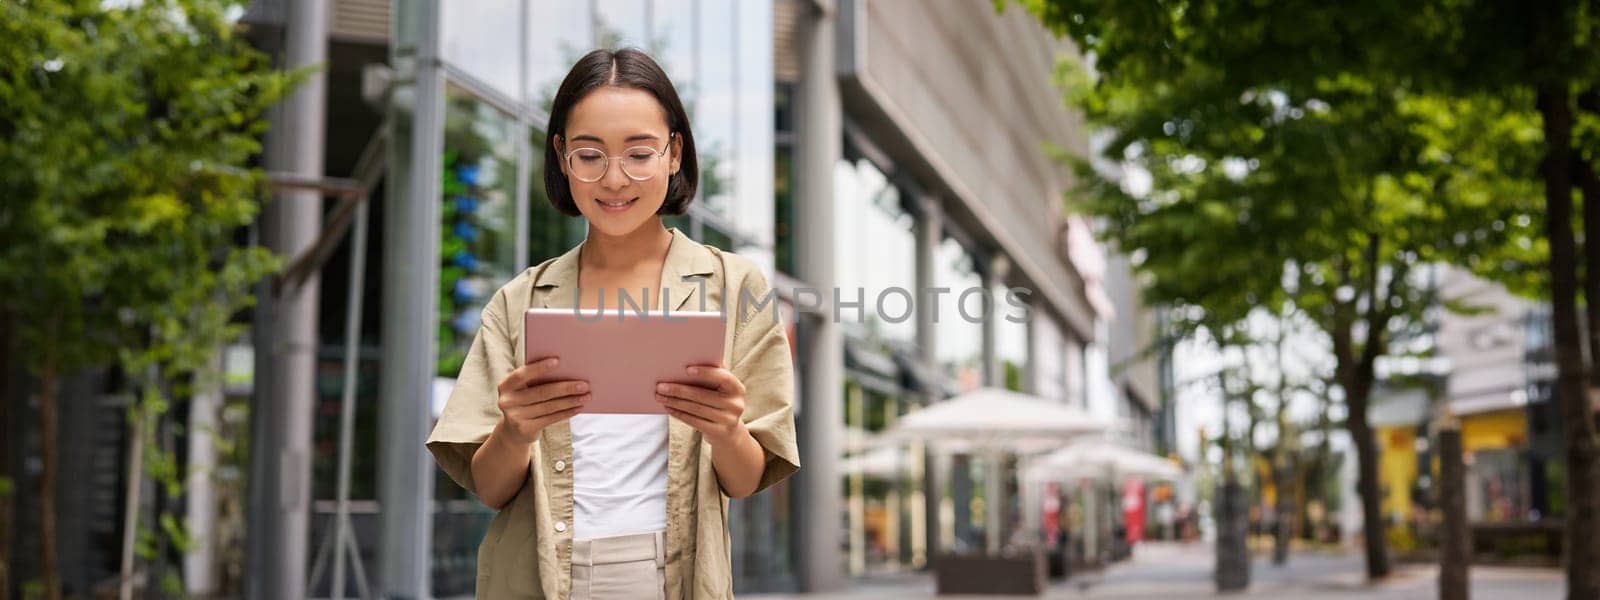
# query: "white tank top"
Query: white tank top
{"points": [[619, 475]]}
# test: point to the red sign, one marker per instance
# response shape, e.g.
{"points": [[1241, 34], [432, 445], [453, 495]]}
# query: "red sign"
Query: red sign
{"points": [[1133, 510], [1052, 513]]}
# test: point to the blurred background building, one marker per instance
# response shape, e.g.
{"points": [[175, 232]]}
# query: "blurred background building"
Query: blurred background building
{"points": [[1492, 368], [843, 144]]}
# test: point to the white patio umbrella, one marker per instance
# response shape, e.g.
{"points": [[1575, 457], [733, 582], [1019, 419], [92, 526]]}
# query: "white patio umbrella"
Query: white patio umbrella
{"points": [[995, 417], [882, 461], [996, 420], [857, 439], [1103, 458]]}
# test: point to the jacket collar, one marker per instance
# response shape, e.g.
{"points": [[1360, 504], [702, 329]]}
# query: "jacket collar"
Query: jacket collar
{"points": [[687, 262]]}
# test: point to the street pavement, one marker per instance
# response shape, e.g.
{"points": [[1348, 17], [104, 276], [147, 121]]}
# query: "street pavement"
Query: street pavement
{"points": [[1169, 571]]}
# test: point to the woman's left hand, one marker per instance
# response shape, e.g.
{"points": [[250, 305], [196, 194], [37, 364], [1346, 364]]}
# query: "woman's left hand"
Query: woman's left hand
{"points": [[710, 400]]}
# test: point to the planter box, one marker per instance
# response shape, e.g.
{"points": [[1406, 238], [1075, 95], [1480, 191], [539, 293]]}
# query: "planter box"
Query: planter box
{"points": [[1021, 575]]}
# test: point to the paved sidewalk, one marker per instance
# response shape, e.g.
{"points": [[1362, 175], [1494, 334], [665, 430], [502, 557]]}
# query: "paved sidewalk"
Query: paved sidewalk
{"points": [[1177, 571]]}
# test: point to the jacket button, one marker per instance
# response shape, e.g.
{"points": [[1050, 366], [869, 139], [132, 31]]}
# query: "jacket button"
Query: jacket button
{"points": [[561, 526], [561, 465]]}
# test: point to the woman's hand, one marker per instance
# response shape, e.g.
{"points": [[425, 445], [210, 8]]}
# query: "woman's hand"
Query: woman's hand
{"points": [[712, 401], [526, 410], [500, 465]]}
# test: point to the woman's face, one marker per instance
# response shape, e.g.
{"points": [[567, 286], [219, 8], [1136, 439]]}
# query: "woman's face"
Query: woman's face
{"points": [[614, 120]]}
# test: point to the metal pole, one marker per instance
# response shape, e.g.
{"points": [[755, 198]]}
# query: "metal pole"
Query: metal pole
{"points": [[200, 560], [1091, 521], [281, 469], [929, 228], [857, 505], [340, 538], [347, 416], [993, 273], [1031, 503], [410, 306], [1455, 555], [990, 370], [818, 150], [1030, 332], [993, 504], [130, 507]]}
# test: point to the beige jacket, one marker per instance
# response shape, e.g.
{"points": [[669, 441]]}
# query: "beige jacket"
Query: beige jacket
{"points": [[525, 553]]}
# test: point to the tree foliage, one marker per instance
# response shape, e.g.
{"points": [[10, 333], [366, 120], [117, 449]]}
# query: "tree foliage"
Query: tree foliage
{"points": [[1287, 161], [127, 134]]}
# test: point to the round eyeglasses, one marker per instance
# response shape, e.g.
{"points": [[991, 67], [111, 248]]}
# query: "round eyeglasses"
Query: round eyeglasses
{"points": [[639, 163]]}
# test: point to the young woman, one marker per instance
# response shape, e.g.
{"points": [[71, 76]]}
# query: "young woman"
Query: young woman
{"points": [[619, 506]]}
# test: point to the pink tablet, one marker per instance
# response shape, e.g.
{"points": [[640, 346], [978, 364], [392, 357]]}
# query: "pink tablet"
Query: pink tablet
{"points": [[622, 354]]}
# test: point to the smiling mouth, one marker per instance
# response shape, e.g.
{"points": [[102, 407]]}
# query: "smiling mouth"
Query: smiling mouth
{"points": [[607, 205]]}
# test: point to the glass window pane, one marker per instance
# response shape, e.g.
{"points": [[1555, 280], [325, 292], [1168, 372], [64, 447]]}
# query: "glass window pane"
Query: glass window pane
{"points": [[672, 41], [960, 338], [876, 252], [682, 222], [478, 249], [1076, 369], [559, 33], [1049, 359], [783, 193], [711, 234], [550, 233], [622, 23], [483, 38], [751, 207], [713, 109], [1011, 338], [477, 254]]}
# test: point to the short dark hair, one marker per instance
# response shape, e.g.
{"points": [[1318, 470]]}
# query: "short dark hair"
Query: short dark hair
{"points": [[630, 68]]}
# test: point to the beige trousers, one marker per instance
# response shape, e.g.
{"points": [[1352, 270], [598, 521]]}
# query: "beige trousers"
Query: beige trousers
{"points": [[633, 567]]}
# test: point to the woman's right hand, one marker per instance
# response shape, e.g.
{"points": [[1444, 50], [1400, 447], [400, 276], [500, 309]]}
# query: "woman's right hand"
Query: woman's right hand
{"points": [[527, 409]]}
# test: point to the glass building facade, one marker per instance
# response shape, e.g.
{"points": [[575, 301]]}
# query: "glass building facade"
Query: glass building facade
{"points": [[717, 52], [461, 104], [501, 64]]}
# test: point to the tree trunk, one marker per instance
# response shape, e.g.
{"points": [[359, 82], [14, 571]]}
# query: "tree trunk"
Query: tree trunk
{"points": [[1283, 513], [1233, 524], [1455, 555], [1257, 491], [8, 494], [1367, 467], [1284, 522], [1309, 475], [1571, 383], [130, 516], [1589, 183], [1355, 372], [1233, 544], [1232, 569], [1316, 475], [47, 475]]}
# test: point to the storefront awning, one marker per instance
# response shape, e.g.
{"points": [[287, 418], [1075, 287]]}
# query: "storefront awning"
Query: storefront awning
{"points": [[999, 419], [1104, 459]]}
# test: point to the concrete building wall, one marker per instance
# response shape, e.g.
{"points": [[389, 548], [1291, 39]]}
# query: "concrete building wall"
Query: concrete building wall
{"points": [[962, 98], [1132, 331], [1485, 350]]}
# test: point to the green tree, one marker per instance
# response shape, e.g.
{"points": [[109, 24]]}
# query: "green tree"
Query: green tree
{"points": [[1510, 59], [1286, 179], [1543, 57], [126, 131]]}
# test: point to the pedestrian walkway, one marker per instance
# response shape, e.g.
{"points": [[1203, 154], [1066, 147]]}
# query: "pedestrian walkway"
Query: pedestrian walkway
{"points": [[1166, 571]]}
